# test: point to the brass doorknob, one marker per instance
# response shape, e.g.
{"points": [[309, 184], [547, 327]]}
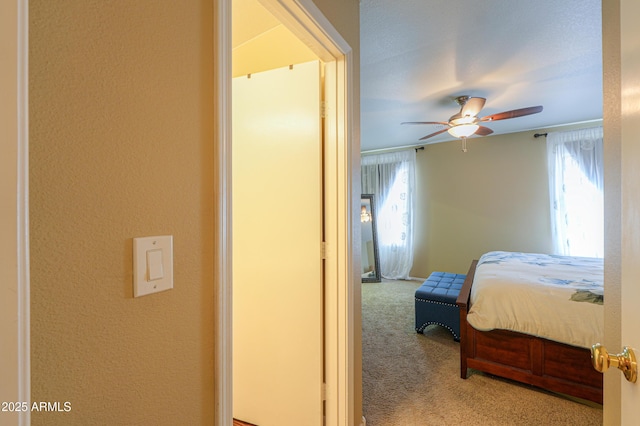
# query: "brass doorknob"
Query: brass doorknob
{"points": [[626, 361]]}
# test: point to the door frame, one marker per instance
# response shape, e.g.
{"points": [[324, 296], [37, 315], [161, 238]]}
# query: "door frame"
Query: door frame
{"points": [[342, 149], [14, 226]]}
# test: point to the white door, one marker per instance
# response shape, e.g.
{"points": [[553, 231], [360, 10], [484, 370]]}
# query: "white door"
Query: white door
{"points": [[630, 191], [277, 235]]}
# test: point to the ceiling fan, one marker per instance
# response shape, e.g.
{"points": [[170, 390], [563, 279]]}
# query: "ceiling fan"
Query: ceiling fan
{"points": [[466, 123]]}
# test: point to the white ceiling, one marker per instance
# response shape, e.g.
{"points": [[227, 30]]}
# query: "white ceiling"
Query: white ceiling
{"points": [[418, 55]]}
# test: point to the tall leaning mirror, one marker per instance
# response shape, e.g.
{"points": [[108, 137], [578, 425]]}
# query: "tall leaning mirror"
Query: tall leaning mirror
{"points": [[370, 259]]}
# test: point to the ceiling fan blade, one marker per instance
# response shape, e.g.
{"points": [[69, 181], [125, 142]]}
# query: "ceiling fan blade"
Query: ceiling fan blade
{"points": [[434, 134], [513, 113], [425, 122], [472, 107], [483, 131]]}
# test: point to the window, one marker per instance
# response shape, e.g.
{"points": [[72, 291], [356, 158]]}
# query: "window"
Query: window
{"points": [[391, 178], [575, 161]]}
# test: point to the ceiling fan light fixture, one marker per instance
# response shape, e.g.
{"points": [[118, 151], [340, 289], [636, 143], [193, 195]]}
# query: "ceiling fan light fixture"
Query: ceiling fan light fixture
{"points": [[466, 122], [463, 130]]}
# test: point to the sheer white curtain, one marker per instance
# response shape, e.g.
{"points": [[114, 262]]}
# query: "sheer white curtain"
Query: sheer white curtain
{"points": [[575, 162], [390, 177]]}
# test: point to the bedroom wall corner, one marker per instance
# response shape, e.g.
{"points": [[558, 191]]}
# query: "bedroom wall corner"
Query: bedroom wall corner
{"points": [[493, 197]]}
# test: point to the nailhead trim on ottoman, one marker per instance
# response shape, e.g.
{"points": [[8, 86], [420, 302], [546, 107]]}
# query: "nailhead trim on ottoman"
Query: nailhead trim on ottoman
{"points": [[436, 302]]}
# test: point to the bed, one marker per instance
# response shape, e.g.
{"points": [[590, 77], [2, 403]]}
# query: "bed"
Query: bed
{"points": [[532, 318]]}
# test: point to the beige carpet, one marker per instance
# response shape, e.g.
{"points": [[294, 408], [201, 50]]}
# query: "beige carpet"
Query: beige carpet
{"points": [[411, 379]]}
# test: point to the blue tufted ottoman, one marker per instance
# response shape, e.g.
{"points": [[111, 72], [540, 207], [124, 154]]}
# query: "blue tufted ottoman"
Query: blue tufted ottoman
{"points": [[436, 302]]}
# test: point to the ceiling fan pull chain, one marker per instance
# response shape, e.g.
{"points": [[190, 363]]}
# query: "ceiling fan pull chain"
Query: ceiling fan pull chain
{"points": [[464, 144]]}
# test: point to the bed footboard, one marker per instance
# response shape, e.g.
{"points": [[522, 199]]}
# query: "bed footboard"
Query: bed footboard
{"points": [[524, 358], [463, 303]]}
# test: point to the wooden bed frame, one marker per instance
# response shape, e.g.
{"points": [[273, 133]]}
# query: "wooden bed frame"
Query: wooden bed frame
{"points": [[524, 358]]}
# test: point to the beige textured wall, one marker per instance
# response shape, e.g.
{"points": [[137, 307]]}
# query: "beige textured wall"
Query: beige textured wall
{"points": [[8, 207], [121, 108], [344, 15], [493, 197]]}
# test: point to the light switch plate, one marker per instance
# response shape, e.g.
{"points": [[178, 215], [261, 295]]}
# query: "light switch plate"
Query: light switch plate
{"points": [[152, 265]]}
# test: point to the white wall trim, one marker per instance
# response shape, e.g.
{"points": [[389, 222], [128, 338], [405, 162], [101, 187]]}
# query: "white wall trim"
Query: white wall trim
{"points": [[223, 249], [339, 292], [307, 22], [24, 336]]}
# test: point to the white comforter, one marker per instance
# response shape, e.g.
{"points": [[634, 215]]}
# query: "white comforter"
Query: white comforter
{"points": [[559, 298]]}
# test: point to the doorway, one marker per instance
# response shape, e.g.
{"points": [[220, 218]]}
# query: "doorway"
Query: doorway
{"points": [[277, 234], [341, 152]]}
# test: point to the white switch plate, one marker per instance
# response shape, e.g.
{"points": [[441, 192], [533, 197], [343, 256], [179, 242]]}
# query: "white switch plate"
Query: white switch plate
{"points": [[152, 277]]}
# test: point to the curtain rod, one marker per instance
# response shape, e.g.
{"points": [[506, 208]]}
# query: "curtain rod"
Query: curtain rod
{"points": [[537, 135], [392, 149]]}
